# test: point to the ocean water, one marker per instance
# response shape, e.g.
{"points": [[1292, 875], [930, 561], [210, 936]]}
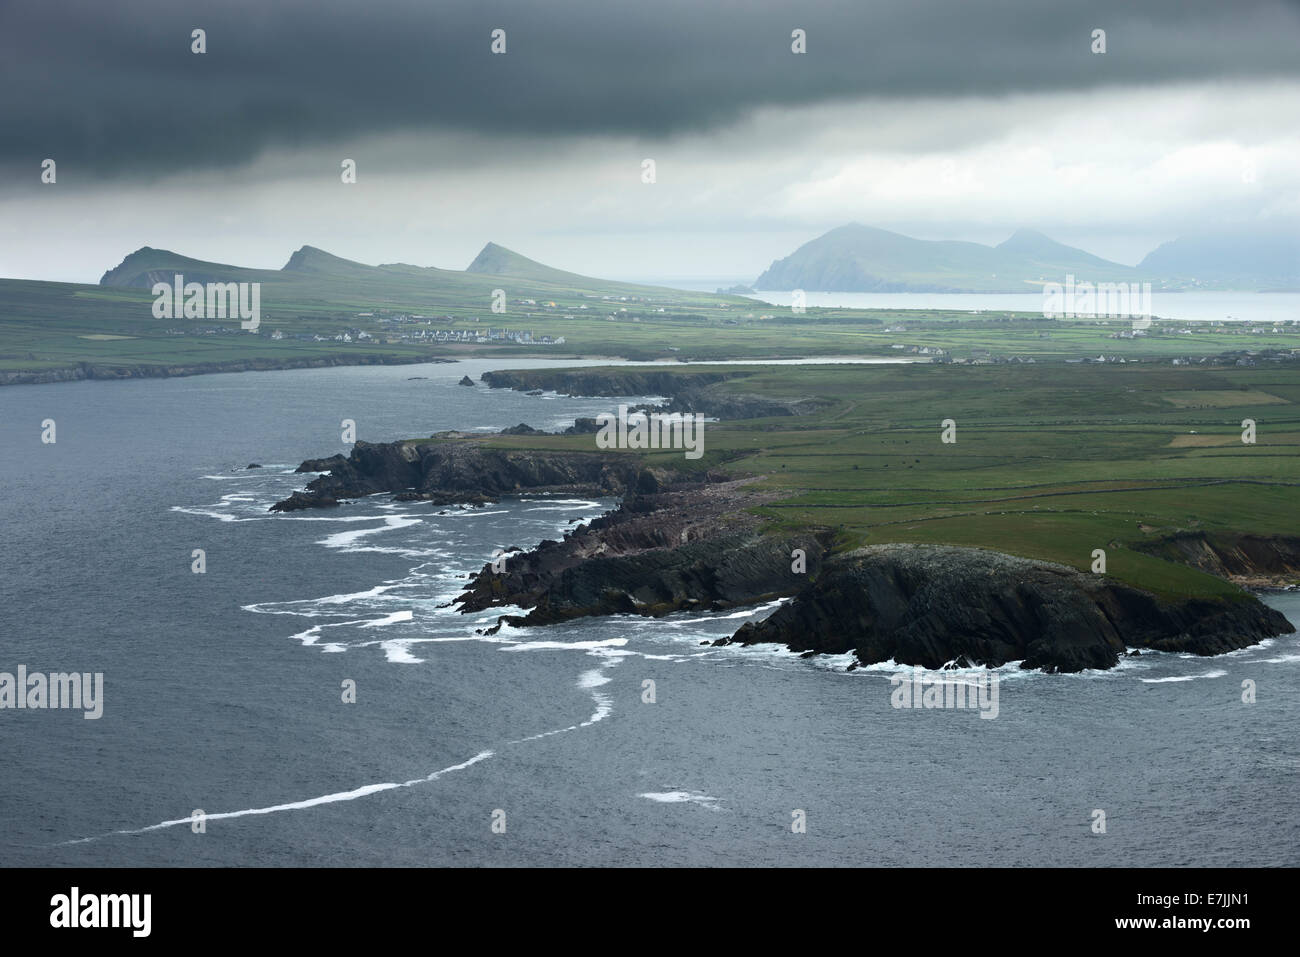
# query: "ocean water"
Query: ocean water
{"points": [[223, 690]]}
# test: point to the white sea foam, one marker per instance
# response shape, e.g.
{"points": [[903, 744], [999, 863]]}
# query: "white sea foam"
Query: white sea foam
{"points": [[225, 516], [307, 637], [575, 502], [398, 652], [346, 598], [1172, 678], [310, 637], [210, 513], [557, 508], [392, 619], [352, 795], [683, 797], [391, 522], [604, 708], [592, 679], [565, 645]]}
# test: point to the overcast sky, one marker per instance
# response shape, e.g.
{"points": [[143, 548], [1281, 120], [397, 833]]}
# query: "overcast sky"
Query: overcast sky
{"points": [[960, 119]]}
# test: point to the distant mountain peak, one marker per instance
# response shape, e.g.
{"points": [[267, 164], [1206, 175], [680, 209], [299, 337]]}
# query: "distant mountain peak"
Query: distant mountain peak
{"points": [[314, 259], [1026, 237], [147, 265], [497, 260], [1269, 256], [858, 258]]}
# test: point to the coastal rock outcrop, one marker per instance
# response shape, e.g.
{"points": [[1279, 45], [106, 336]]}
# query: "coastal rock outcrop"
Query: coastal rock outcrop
{"points": [[454, 470], [692, 546], [1252, 560], [685, 539], [704, 392], [929, 605]]}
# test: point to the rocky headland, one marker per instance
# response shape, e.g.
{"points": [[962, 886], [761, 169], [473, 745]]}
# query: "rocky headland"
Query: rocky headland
{"points": [[705, 392], [685, 539], [930, 605]]}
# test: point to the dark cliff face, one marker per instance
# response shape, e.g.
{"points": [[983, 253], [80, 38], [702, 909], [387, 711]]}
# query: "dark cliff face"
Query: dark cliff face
{"points": [[690, 547], [682, 540], [464, 471], [702, 392], [1246, 557], [678, 540], [929, 605]]}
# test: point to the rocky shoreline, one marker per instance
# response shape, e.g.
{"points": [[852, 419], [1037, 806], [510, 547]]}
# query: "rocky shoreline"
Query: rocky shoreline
{"points": [[932, 605], [689, 391], [689, 540]]}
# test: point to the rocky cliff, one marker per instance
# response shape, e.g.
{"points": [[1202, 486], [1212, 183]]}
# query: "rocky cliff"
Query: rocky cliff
{"points": [[930, 605], [690, 540], [459, 470], [679, 540], [691, 391], [1252, 560], [693, 546]]}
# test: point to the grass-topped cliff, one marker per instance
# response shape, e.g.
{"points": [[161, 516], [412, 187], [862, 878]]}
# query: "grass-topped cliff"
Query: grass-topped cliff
{"points": [[1050, 462], [812, 468]]}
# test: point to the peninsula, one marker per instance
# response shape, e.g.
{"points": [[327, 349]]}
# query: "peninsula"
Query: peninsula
{"points": [[1078, 512]]}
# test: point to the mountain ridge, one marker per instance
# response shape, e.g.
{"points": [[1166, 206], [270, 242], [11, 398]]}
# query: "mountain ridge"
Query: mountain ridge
{"points": [[314, 267], [858, 258]]}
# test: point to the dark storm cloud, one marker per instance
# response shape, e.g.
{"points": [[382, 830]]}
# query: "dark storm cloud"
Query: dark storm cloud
{"points": [[112, 89]]}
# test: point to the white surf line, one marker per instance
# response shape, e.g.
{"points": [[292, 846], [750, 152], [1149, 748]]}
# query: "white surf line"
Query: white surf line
{"points": [[588, 680], [1217, 673], [363, 791]]}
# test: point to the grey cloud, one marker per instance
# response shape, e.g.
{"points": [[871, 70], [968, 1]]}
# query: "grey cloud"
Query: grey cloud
{"points": [[112, 90]]}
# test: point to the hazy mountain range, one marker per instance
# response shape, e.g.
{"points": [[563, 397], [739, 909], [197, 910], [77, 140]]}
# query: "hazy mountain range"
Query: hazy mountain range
{"points": [[851, 258], [313, 273], [857, 258]]}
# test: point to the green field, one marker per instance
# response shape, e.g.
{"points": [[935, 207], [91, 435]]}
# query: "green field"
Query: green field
{"points": [[1049, 462]]}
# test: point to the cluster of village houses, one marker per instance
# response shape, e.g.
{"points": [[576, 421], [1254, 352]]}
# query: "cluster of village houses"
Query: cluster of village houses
{"points": [[389, 337]]}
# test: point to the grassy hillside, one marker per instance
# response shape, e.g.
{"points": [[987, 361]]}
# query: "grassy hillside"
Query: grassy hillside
{"points": [[1049, 462]]}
